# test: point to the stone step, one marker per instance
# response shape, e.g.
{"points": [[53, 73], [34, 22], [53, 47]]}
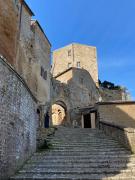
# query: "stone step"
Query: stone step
{"points": [[31, 176], [88, 138], [91, 148], [81, 160], [89, 144], [89, 157], [81, 143], [79, 132], [68, 155], [129, 171], [87, 150], [81, 165], [82, 136], [86, 142]]}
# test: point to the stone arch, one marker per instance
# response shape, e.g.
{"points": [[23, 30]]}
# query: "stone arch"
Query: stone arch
{"points": [[60, 114], [62, 104]]}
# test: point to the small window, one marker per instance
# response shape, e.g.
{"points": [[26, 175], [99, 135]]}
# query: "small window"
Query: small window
{"points": [[69, 65], [78, 65], [43, 73], [69, 52]]}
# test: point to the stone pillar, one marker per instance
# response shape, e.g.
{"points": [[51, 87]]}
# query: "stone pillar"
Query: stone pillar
{"points": [[93, 120], [82, 120]]}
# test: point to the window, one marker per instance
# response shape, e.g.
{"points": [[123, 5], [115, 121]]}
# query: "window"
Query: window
{"points": [[69, 52], [78, 65], [43, 73], [69, 65]]}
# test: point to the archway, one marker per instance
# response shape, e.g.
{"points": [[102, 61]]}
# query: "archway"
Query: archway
{"points": [[59, 113]]}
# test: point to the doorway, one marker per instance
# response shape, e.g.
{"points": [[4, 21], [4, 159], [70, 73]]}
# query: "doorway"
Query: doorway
{"points": [[87, 121], [46, 123]]}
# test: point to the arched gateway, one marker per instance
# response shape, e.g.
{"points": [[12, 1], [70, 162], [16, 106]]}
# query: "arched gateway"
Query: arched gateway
{"points": [[59, 113]]}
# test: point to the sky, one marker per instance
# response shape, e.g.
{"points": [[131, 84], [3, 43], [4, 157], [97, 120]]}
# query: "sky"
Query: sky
{"points": [[107, 24]]}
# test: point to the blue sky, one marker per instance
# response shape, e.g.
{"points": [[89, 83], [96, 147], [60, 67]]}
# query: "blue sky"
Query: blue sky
{"points": [[107, 24]]}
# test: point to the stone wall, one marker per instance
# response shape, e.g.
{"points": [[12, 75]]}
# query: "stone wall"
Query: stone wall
{"points": [[82, 88], [61, 59], [114, 94], [125, 136], [18, 121], [41, 59], [87, 56], [118, 120], [118, 113]]}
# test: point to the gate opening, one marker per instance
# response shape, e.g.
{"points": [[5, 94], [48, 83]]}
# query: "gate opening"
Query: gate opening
{"points": [[59, 114]]}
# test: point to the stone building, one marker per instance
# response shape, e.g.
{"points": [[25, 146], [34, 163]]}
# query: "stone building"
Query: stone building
{"points": [[75, 89], [24, 84], [26, 47], [75, 69], [76, 55], [33, 58]]}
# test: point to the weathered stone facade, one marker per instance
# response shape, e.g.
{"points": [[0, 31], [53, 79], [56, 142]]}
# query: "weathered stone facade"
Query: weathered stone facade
{"points": [[85, 58], [76, 89], [33, 57], [24, 84], [76, 55], [18, 121], [27, 49]]}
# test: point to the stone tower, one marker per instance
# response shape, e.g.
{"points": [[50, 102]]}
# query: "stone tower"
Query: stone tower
{"points": [[76, 55]]}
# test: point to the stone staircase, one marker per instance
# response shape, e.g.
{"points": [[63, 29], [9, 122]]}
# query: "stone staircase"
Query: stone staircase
{"points": [[80, 154]]}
